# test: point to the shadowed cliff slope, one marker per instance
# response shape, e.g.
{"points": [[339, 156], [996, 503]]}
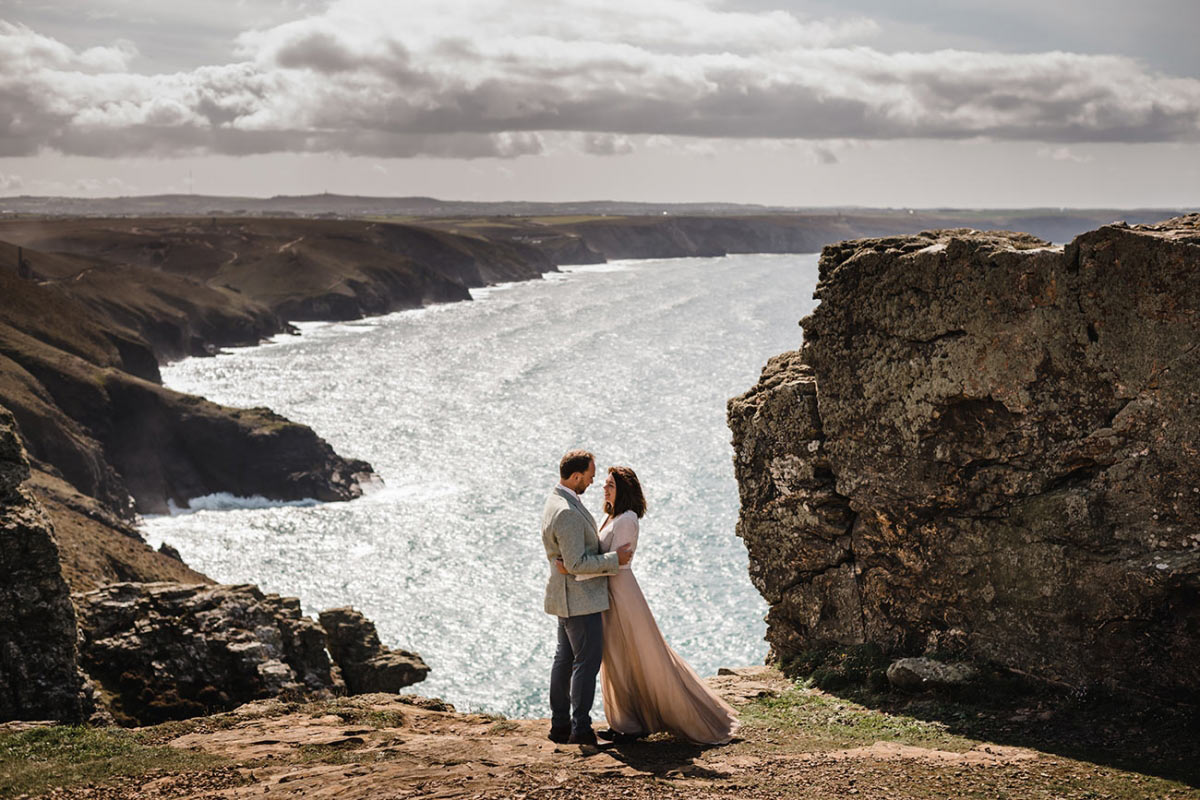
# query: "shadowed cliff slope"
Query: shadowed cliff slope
{"points": [[988, 446]]}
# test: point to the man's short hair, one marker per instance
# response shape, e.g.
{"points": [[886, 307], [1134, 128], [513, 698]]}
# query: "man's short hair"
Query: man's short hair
{"points": [[574, 461]]}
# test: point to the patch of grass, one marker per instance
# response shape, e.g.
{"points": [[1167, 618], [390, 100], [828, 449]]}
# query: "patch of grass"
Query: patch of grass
{"points": [[502, 726], [337, 753], [567, 219], [819, 721], [167, 731], [33, 761], [349, 710]]}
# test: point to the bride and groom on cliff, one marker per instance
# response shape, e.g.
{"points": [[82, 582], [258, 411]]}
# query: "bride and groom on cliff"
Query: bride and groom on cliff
{"points": [[605, 626]]}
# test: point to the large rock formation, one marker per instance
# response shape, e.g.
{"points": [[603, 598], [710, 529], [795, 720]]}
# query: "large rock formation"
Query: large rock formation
{"points": [[991, 446], [167, 651], [367, 666], [39, 676]]}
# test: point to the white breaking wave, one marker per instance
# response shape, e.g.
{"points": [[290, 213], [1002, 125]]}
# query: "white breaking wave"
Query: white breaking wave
{"points": [[484, 292], [616, 265], [226, 501]]}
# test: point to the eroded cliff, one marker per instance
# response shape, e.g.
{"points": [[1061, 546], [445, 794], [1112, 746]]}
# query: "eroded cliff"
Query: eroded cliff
{"points": [[39, 672], [991, 447], [80, 344]]}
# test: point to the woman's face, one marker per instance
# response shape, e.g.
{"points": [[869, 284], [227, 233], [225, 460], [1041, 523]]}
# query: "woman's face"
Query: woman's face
{"points": [[610, 491]]}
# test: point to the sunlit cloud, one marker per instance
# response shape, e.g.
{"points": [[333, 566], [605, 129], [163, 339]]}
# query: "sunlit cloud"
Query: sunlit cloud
{"points": [[1063, 154], [489, 79]]}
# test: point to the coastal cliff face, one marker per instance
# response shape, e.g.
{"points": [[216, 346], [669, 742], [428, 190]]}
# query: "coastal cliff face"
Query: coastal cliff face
{"points": [[171, 447], [988, 447], [79, 353], [267, 271], [39, 675], [676, 237]]}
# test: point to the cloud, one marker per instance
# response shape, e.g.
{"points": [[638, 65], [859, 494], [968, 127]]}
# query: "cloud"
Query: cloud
{"points": [[107, 186], [484, 78], [10, 183], [1062, 154], [604, 144]]}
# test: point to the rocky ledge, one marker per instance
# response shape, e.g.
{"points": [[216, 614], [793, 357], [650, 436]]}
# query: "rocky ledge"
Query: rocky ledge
{"points": [[162, 651], [367, 666], [987, 449]]}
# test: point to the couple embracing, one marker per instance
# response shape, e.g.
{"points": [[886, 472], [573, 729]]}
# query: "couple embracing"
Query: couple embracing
{"points": [[605, 625]]}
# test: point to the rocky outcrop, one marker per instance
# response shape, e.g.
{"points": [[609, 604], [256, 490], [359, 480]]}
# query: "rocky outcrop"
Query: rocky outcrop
{"points": [[921, 674], [39, 675], [367, 666], [170, 446], [991, 443], [164, 651]]}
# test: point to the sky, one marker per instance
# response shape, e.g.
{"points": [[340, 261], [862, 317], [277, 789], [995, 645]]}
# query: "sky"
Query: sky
{"points": [[926, 103]]}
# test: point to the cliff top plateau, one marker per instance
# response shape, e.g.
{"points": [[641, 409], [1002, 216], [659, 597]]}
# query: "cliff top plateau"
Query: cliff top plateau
{"points": [[795, 742]]}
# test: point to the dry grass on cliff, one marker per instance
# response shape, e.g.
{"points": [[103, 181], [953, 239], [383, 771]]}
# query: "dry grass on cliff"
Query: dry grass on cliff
{"points": [[41, 758], [796, 742]]}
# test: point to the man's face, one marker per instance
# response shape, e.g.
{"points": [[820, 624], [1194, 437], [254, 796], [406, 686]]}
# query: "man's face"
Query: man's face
{"points": [[588, 475]]}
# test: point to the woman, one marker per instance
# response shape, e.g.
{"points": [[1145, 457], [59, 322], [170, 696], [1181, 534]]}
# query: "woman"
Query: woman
{"points": [[647, 687]]}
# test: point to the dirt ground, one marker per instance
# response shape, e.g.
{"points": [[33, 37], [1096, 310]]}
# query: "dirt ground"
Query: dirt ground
{"points": [[387, 746]]}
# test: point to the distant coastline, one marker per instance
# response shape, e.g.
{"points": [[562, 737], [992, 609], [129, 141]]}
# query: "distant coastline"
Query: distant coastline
{"points": [[108, 441]]}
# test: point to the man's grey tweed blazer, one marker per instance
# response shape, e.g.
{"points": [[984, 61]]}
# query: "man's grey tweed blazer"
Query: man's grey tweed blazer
{"points": [[569, 532]]}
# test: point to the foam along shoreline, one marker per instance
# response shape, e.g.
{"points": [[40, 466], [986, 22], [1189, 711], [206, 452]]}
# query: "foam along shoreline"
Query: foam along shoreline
{"points": [[227, 501]]}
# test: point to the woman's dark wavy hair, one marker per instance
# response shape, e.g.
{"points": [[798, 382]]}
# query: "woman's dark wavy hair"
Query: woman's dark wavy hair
{"points": [[629, 493]]}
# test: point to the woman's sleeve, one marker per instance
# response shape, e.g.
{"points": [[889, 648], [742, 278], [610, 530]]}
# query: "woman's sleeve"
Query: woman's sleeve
{"points": [[625, 532]]}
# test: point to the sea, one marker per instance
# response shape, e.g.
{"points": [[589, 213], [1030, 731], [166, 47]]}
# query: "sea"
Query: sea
{"points": [[464, 410]]}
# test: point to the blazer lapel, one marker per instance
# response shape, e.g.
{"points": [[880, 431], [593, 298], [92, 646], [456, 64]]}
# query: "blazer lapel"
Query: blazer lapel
{"points": [[574, 500]]}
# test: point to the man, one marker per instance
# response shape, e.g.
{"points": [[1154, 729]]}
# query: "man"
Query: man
{"points": [[569, 532]]}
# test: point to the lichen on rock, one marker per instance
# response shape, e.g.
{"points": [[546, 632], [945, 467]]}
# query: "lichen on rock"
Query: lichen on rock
{"points": [[987, 434]]}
